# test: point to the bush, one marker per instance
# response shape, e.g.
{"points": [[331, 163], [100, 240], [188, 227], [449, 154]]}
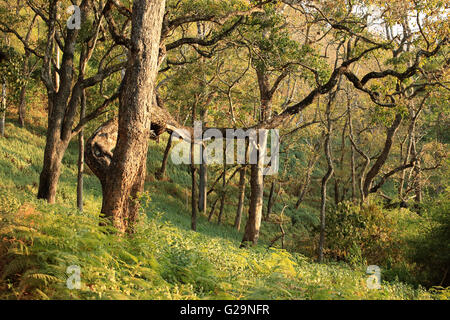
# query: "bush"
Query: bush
{"points": [[431, 252], [364, 234]]}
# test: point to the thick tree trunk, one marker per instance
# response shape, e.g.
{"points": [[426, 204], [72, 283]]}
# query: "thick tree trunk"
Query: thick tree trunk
{"points": [[126, 173], [162, 171], [51, 170], [253, 225], [241, 197]]}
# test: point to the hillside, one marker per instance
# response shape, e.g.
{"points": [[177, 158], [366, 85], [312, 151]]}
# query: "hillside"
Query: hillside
{"points": [[163, 260]]}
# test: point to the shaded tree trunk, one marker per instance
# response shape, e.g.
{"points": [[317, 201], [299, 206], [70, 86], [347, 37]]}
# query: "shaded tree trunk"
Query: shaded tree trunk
{"points": [[213, 208], [22, 107], [323, 199], [194, 190], [305, 187], [222, 197], [26, 74], [271, 200], [3, 110], [326, 177], [381, 160], [81, 156], [352, 157], [194, 199], [162, 171], [203, 184]]}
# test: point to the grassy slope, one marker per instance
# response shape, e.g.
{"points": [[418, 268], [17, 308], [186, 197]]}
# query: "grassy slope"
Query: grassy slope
{"points": [[165, 260]]}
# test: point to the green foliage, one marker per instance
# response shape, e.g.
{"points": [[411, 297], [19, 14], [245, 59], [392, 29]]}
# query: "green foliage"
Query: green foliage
{"points": [[432, 246], [162, 260], [367, 234]]}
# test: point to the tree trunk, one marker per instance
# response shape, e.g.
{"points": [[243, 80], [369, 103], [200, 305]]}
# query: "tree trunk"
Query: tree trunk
{"points": [[383, 156], [323, 199], [161, 173], [203, 190], [253, 225], [240, 207], [3, 111], [305, 187], [270, 201], [222, 197], [81, 156], [213, 208], [26, 74], [22, 107], [352, 157], [51, 170], [126, 172], [336, 190], [194, 200], [326, 177], [194, 189]]}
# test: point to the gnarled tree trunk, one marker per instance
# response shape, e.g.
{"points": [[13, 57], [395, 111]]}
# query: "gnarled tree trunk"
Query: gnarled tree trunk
{"points": [[122, 173]]}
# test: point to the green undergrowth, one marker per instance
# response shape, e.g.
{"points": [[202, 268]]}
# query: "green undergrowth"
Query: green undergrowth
{"points": [[164, 259]]}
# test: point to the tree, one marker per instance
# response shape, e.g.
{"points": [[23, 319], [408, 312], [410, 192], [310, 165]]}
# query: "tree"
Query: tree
{"points": [[123, 178], [64, 94]]}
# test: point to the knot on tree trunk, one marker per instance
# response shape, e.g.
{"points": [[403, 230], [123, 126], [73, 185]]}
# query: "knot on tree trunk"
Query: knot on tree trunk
{"points": [[99, 148]]}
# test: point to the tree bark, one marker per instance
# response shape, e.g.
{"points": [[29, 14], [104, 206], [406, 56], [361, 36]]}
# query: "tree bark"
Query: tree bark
{"points": [[26, 74], [3, 110], [194, 189], [352, 155], [194, 199], [126, 172], [326, 177], [383, 156], [253, 224], [270, 201], [81, 156], [203, 185], [51, 169], [64, 96], [223, 193]]}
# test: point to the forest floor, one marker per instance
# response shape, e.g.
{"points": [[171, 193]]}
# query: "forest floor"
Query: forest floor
{"points": [[163, 260]]}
